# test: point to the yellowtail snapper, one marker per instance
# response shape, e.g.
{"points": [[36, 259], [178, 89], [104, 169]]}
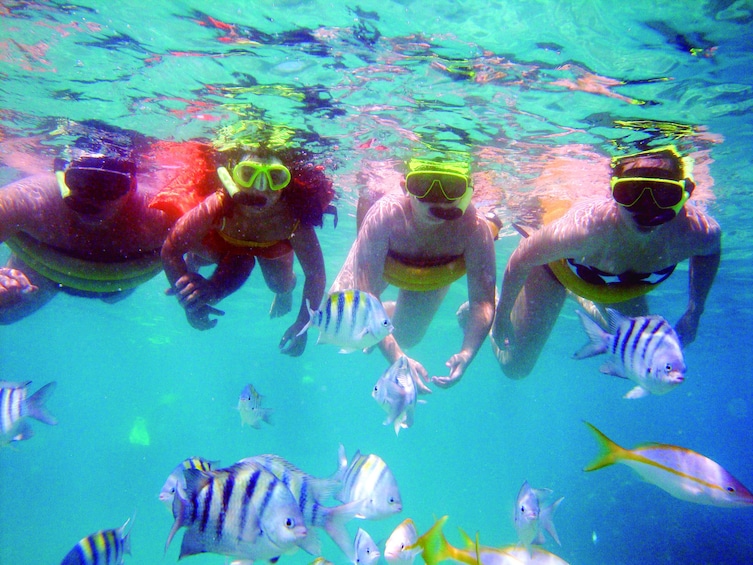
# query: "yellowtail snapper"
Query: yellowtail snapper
{"points": [[16, 406], [645, 350], [352, 319], [683, 473], [107, 547]]}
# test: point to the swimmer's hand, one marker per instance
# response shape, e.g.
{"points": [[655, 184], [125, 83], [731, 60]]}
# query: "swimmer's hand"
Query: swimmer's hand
{"points": [[457, 365], [686, 327], [419, 375], [199, 317], [291, 343], [193, 291], [14, 284]]}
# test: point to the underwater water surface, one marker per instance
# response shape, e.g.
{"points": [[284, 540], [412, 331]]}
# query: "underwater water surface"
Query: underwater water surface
{"points": [[515, 84]]}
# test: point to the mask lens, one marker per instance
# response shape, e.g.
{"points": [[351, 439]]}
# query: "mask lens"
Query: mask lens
{"points": [[434, 186], [279, 176], [98, 184], [246, 172], [665, 193]]}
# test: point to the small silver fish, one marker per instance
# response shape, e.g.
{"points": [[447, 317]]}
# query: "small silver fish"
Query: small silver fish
{"points": [[532, 518], [367, 552], [106, 547], [16, 406], [645, 350], [400, 548], [176, 481], [368, 479], [352, 319], [395, 392], [251, 411]]}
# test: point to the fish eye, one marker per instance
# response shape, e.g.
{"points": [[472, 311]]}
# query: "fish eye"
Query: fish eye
{"points": [[668, 367], [385, 322], [730, 489], [523, 509], [289, 523]]}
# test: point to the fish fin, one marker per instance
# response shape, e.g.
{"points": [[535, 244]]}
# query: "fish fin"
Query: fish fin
{"points": [[609, 368], [610, 452], [22, 431], [546, 519], [312, 313], [597, 336], [614, 318], [637, 392], [334, 525], [192, 544], [35, 404], [433, 543], [266, 414], [397, 424]]}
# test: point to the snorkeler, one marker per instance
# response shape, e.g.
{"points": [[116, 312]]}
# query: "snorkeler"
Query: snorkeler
{"points": [[85, 229], [421, 242], [263, 207], [609, 250]]}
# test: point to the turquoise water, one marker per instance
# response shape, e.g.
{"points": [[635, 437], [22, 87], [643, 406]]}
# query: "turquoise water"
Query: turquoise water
{"points": [[371, 84]]}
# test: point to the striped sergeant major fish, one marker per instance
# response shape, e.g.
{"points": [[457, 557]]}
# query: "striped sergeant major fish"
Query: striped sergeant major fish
{"points": [[107, 547], [242, 511], [368, 479], [352, 319], [176, 481], [683, 473], [309, 492], [16, 406], [645, 350], [366, 551]]}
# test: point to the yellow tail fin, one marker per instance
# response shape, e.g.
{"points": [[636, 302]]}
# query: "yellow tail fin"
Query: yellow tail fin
{"points": [[610, 452]]}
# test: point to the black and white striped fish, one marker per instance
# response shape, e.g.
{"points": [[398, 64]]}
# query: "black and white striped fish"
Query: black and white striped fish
{"points": [[308, 492], [645, 350], [352, 319], [176, 481], [368, 479], [106, 547], [16, 406], [242, 511]]}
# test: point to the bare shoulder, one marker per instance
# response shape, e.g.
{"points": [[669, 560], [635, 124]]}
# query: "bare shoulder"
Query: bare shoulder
{"points": [[386, 213]]}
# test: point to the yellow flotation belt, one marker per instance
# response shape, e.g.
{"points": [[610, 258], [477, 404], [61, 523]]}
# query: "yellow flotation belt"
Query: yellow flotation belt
{"points": [[81, 274], [429, 277], [601, 293]]}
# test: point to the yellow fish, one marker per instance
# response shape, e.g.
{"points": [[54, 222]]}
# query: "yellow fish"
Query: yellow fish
{"points": [[683, 473]]}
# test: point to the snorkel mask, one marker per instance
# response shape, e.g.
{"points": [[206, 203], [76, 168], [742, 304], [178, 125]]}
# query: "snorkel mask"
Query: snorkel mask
{"points": [[440, 183], [656, 188], [256, 176], [89, 179]]}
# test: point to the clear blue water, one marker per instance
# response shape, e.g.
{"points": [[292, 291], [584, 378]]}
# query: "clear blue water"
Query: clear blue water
{"points": [[371, 80]]}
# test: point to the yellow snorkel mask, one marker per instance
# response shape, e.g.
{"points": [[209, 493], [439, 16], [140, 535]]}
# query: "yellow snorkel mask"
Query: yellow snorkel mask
{"points": [[260, 176], [440, 183], [668, 195]]}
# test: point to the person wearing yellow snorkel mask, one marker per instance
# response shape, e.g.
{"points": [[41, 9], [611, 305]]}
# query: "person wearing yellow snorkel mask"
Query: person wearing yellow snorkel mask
{"points": [[264, 208], [421, 241], [85, 229], [610, 250]]}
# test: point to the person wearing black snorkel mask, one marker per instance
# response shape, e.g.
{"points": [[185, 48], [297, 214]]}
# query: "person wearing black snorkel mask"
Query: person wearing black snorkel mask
{"points": [[264, 208], [421, 242], [609, 251], [85, 229]]}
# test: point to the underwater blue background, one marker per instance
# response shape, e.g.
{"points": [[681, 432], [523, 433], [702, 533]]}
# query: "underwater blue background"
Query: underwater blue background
{"points": [[379, 82]]}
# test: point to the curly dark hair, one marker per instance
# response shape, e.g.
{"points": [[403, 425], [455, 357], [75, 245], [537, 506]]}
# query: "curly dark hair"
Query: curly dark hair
{"points": [[310, 190]]}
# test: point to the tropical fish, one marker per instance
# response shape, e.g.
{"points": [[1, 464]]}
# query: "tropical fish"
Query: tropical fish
{"points": [[395, 392], [308, 491], [16, 406], [436, 549], [352, 319], [242, 511], [176, 481], [645, 350], [107, 547], [368, 479], [683, 473], [249, 406], [366, 551], [532, 518], [396, 550]]}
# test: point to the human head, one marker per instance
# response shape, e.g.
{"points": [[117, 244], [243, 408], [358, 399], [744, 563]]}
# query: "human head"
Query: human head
{"points": [[443, 186], [92, 178], [252, 177], [653, 185]]}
